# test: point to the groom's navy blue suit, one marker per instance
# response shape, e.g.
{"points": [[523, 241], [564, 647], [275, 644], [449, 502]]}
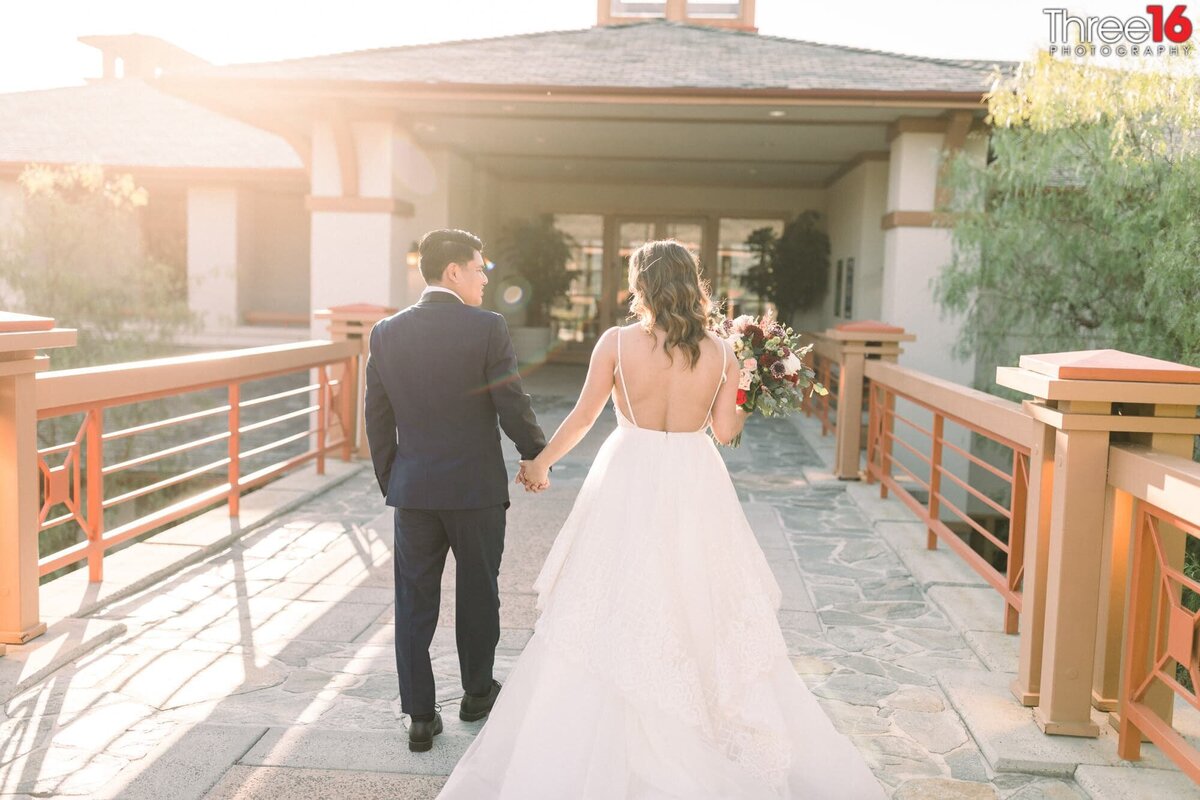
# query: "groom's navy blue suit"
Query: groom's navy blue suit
{"points": [[440, 375]]}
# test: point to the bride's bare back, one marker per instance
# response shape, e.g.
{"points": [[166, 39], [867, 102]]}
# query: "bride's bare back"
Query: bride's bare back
{"points": [[665, 396]]}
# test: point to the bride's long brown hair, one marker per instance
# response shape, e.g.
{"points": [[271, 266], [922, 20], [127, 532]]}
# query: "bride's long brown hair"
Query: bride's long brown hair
{"points": [[667, 291]]}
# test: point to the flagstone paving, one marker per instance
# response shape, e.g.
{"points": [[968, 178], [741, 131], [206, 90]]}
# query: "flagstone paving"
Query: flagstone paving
{"points": [[268, 670]]}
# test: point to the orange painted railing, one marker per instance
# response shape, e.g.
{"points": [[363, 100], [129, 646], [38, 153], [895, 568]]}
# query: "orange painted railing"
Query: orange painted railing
{"points": [[824, 405], [1159, 495], [995, 419], [77, 482]]}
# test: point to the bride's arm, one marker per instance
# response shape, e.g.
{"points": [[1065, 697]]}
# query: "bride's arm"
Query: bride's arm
{"points": [[727, 416], [593, 398]]}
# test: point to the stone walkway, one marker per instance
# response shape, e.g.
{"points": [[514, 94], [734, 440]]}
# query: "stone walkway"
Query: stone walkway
{"points": [[268, 671]]}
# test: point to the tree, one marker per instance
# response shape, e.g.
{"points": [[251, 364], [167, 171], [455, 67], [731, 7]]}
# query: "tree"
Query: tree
{"points": [[793, 267], [75, 251], [1080, 231], [538, 251]]}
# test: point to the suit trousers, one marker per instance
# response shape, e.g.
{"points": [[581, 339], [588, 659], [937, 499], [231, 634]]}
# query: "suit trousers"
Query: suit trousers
{"points": [[476, 536]]}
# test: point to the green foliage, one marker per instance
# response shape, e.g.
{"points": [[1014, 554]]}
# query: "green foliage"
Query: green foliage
{"points": [[1081, 231], [792, 270], [538, 251], [75, 252]]}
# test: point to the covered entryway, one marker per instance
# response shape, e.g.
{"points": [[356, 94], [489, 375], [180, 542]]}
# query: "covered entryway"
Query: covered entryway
{"points": [[623, 132]]}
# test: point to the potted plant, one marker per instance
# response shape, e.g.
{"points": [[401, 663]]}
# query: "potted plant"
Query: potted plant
{"points": [[793, 267], [534, 253]]}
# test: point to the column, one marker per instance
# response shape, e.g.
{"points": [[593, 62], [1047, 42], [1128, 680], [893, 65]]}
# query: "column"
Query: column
{"points": [[1080, 399], [369, 181], [21, 336], [212, 255], [856, 342]]}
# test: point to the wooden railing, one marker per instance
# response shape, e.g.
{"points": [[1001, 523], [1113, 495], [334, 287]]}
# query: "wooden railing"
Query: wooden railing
{"points": [[79, 481], [824, 406], [999, 421], [230, 421], [1157, 495], [1104, 431]]}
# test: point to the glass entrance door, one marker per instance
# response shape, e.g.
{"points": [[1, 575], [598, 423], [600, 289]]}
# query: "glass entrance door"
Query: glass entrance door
{"points": [[633, 233]]}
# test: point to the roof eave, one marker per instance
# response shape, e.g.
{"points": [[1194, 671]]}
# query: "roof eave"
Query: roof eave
{"points": [[346, 89]]}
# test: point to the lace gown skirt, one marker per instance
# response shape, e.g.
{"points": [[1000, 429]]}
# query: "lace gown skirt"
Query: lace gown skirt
{"points": [[657, 668]]}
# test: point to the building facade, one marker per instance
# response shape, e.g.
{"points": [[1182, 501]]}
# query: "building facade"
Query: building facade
{"points": [[664, 119]]}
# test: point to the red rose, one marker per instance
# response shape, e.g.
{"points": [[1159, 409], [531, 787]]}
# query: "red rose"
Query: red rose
{"points": [[755, 334], [766, 360], [741, 397]]}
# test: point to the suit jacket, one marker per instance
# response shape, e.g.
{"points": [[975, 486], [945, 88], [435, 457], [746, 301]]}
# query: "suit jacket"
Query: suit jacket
{"points": [[440, 375]]}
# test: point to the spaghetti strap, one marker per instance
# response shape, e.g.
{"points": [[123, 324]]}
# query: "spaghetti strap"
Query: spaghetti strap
{"points": [[720, 383], [624, 388]]}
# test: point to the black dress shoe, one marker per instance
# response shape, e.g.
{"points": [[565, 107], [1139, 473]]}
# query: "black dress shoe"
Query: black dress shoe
{"points": [[421, 733], [476, 708]]}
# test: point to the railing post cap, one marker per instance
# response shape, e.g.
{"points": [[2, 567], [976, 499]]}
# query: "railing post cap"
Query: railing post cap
{"points": [[24, 332], [868, 330], [1109, 365], [355, 310], [11, 322]]}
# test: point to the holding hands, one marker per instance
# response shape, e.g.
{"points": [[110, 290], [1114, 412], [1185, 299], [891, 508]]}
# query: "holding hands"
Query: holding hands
{"points": [[534, 475]]}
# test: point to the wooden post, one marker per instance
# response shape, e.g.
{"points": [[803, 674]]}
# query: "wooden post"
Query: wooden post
{"points": [[354, 322], [235, 449], [1027, 686], [1080, 641], [21, 336], [854, 343], [95, 494]]}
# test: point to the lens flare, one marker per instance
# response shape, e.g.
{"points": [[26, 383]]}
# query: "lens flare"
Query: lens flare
{"points": [[513, 293]]}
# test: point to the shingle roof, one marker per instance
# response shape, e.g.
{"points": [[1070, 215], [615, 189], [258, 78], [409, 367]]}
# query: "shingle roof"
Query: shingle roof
{"points": [[646, 55], [127, 123]]}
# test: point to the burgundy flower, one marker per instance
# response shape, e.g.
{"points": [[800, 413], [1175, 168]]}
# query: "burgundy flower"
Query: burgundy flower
{"points": [[778, 370]]}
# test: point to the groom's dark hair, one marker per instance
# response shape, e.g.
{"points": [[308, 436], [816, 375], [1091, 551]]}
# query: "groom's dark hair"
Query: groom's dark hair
{"points": [[443, 247]]}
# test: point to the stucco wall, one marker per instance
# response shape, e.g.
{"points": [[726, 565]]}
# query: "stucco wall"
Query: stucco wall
{"points": [[274, 245]]}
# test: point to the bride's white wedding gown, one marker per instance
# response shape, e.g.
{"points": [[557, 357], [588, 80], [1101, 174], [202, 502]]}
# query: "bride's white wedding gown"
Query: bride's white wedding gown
{"points": [[657, 668]]}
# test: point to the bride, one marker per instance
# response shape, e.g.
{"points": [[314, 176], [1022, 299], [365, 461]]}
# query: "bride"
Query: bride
{"points": [[657, 668]]}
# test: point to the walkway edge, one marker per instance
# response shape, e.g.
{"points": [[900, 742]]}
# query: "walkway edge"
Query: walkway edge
{"points": [[27, 665]]}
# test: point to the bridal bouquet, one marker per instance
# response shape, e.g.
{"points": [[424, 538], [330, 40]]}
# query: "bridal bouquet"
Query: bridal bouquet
{"points": [[774, 374]]}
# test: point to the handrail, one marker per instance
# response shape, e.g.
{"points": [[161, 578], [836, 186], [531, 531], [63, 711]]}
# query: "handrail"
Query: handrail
{"points": [[993, 417], [73, 390], [1170, 482], [985, 413], [1160, 635], [82, 472]]}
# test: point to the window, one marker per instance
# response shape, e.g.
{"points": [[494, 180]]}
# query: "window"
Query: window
{"points": [[734, 260], [714, 10], [837, 291], [575, 318], [640, 8], [848, 291]]}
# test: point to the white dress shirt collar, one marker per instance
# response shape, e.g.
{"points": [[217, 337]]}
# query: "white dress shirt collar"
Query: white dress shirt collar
{"points": [[429, 289]]}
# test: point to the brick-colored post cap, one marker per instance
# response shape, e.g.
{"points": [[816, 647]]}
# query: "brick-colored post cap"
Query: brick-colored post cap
{"points": [[11, 322], [1109, 365]]}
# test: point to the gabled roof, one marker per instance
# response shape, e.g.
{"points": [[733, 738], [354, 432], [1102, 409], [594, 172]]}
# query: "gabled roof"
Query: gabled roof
{"points": [[127, 123], [645, 55]]}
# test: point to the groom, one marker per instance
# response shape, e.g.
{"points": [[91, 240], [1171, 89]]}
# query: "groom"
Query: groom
{"points": [[439, 375]]}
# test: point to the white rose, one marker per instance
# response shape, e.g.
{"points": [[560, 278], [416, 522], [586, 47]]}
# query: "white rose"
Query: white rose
{"points": [[792, 364], [741, 322]]}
